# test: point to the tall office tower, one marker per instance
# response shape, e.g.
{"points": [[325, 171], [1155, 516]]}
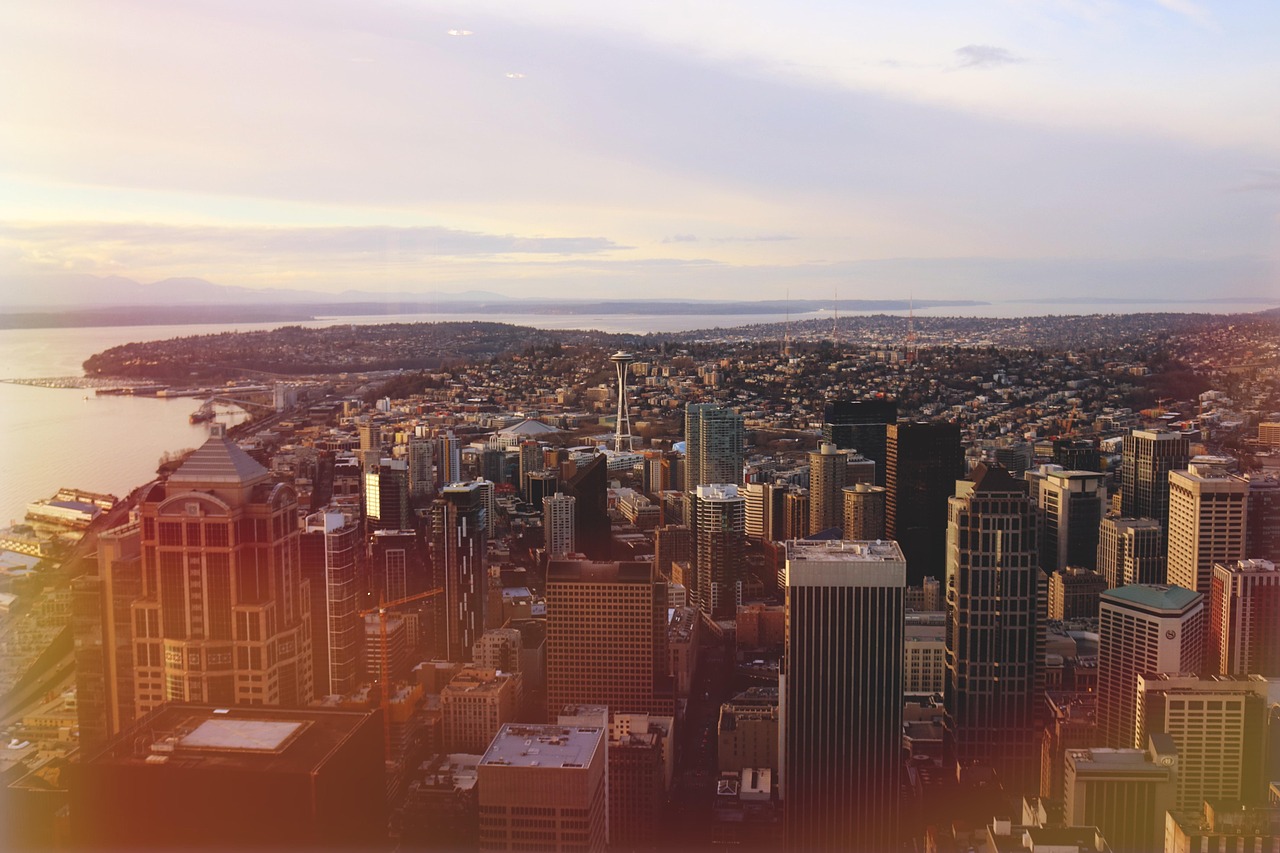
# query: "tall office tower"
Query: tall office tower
{"points": [[720, 554], [330, 546], [923, 462], [1015, 458], [1070, 506], [654, 475], [493, 465], [541, 485], [671, 543], [590, 485], [841, 690], [607, 637], [1142, 628], [1244, 619], [713, 445], [993, 616], [386, 648], [1262, 526], [386, 496], [1206, 524], [221, 589], [458, 555], [640, 750], [1148, 457], [448, 459], [1074, 593], [795, 514], [1077, 454], [827, 469], [864, 512], [622, 434], [1131, 550], [557, 524], [216, 778], [396, 565], [861, 425], [489, 499], [1219, 726], [530, 461], [103, 636], [370, 435], [421, 468], [543, 788], [765, 511], [1123, 792]]}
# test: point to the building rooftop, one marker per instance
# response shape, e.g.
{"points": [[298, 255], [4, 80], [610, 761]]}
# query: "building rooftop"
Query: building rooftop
{"points": [[242, 737], [1154, 596], [521, 745], [590, 571], [844, 550], [220, 460]]}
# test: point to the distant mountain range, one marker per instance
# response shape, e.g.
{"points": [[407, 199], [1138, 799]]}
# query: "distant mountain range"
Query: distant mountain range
{"points": [[87, 300]]}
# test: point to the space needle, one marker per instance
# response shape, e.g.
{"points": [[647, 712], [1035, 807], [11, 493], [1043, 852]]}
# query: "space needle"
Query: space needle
{"points": [[622, 360]]}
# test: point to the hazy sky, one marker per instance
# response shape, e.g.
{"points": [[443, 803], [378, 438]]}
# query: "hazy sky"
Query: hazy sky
{"points": [[994, 149]]}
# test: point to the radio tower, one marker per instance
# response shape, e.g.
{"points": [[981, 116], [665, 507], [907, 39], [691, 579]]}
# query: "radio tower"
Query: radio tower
{"points": [[786, 338], [622, 360], [835, 319]]}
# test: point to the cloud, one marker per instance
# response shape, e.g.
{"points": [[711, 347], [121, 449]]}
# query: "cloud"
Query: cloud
{"points": [[1193, 12], [1264, 180], [681, 238], [760, 238], [986, 56]]}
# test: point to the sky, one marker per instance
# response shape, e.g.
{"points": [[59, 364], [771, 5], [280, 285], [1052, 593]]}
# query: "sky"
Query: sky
{"points": [[1004, 149]]}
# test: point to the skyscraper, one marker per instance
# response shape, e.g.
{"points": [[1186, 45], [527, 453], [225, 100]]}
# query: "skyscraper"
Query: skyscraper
{"points": [[222, 611], [1148, 457], [827, 469], [1070, 505], [1123, 792], [448, 458], [1244, 619], [861, 425], [330, 545], [1206, 523], [864, 512], [922, 463], [1142, 628], [993, 611], [386, 495], [1077, 454], [1262, 525], [590, 486], [671, 543], [530, 461], [713, 445], [607, 637], [557, 524], [421, 467], [1131, 550], [720, 552], [458, 555], [841, 691]]}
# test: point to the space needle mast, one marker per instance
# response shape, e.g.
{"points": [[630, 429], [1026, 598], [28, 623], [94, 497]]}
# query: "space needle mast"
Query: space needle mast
{"points": [[622, 437]]}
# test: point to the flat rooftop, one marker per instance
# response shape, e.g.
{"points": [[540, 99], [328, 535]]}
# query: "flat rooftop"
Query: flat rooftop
{"points": [[239, 737], [844, 550], [520, 745]]}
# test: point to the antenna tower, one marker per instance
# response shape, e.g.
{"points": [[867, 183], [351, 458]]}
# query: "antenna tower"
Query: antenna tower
{"points": [[911, 331]]}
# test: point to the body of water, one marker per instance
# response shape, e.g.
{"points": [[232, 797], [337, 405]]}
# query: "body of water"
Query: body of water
{"points": [[55, 437]]}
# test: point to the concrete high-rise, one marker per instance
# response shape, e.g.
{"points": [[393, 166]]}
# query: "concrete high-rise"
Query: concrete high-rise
{"points": [[543, 788], [1077, 454], [720, 548], [827, 469], [764, 511], [606, 637], [1123, 792], [222, 613], [1244, 619], [458, 553], [1219, 725], [330, 547], [713, 439], [795, 514], [1143, 628], [993, 611], [557, 524], [841, 691], [1131, 550], [530, 461], [922, 463], [421, 459], [1207, 509], [861, 425], [1070, 505], [864, 512], [448, 458], [1262, 526], [1148, 457]]}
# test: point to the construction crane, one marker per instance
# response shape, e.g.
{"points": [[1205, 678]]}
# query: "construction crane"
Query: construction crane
{"points": [[385, 666]]}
